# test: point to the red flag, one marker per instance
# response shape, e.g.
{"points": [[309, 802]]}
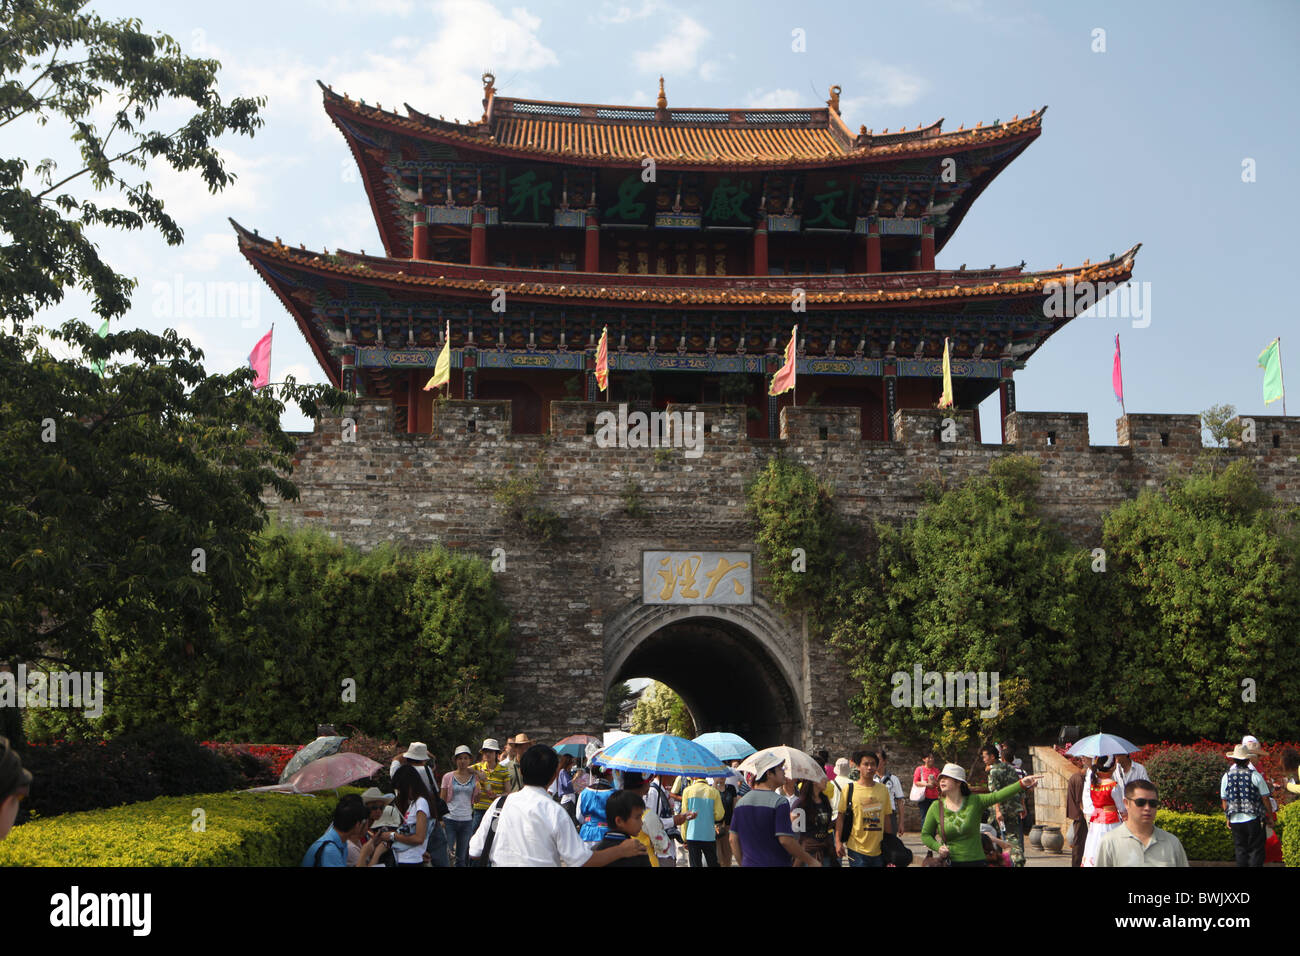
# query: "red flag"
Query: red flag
{"points": [[602, 360], [783, 380], [259, 360], [1117, 375]]}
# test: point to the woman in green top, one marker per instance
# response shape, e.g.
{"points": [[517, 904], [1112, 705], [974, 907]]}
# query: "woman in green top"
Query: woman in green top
{"points": [[961, 811]]}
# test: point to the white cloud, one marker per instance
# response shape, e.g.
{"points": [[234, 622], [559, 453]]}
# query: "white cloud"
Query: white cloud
{"points": [[209, 252], [187, 199], [773, 99], [349, 226], [440, 75], [370, 8], [710, 70], [611, 13], [677, 52], [887, 87]]}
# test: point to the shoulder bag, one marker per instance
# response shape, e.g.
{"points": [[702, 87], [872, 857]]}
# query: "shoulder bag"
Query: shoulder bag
{"points": [[931, 858]]}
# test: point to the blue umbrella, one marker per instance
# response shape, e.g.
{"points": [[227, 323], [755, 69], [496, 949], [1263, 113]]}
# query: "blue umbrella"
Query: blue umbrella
{"points": [[1101, 745], [661, 753], [573, 750], [726, 746]]}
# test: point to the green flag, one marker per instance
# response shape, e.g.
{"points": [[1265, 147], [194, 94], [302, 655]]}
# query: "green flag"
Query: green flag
{"points": [[98, 367], [1270, 360]]}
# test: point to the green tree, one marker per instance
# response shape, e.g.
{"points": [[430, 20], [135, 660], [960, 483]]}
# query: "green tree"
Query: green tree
{"points": [[59, 63], [661, 711], [137, 492], [618, 695], [1218, 421], [800, 538], [1206, 576], [136, 489], [980, 581], [394, 643]]}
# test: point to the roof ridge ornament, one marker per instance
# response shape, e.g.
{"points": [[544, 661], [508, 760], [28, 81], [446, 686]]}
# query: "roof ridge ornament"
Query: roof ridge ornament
{"points": [[834, 101], [489, 92]]}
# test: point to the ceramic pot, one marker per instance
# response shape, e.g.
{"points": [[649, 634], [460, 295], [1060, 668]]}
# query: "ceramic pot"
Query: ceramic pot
{"points": [[1053, 840]]}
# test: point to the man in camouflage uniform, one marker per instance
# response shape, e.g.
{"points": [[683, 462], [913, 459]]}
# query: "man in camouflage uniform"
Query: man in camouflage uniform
{"points": [[1009, 812]]}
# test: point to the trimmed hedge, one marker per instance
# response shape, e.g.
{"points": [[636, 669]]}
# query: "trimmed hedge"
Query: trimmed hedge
{"points": [[241, 829], [1288, 825], [1203, 836]]}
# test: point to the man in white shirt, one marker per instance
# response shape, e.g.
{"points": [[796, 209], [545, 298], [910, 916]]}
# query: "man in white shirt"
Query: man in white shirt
{"points": [[534, 830], [1126, 771]]}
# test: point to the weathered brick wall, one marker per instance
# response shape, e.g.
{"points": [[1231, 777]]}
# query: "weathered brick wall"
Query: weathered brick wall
{"points": [[421, 489]]}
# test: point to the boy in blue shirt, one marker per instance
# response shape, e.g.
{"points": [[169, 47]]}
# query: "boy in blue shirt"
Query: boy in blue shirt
{"points": [[350, 818]]}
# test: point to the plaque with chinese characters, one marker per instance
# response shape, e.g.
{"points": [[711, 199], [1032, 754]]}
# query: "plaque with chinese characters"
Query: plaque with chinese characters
{"points": [[697, 577]]}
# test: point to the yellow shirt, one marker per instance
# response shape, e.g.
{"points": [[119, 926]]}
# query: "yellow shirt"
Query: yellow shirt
{"points": [[871, 806]]}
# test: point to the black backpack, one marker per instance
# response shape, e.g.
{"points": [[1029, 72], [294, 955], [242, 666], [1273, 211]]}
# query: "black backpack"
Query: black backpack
{"points": [[499, 804]]}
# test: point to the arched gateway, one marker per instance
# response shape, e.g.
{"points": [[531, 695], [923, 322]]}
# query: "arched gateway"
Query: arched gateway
{"points": [[737, 667]]}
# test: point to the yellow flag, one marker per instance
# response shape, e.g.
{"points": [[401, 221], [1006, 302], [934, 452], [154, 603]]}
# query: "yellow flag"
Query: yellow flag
{"points": [[602, 361], [442, 368], [945, 400]]}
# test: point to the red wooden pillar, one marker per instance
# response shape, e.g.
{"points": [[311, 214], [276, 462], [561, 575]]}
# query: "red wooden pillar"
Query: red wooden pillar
{"points": [[873, 246], [927, 249], [413, 385], [478, 238], [591, 250], [419, 235], [760, 245]]}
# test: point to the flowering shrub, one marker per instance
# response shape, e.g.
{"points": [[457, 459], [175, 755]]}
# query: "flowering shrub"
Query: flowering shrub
{"points": [[1188, 779], [268, 759], [239, 829], [1214, 755]]}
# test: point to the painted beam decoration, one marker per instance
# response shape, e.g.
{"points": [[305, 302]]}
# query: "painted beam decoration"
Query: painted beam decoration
{"points": [[697, 577]]}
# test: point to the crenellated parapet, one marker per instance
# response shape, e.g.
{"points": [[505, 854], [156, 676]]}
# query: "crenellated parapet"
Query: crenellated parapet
{"points": [[1039, 430]]}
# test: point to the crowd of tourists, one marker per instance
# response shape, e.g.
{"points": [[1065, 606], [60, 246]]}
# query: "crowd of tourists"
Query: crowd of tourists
{"points": [[527, 805]]}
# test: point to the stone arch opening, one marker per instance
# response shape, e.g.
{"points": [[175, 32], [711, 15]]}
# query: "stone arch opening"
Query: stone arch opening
{"points": [[733, 674]]}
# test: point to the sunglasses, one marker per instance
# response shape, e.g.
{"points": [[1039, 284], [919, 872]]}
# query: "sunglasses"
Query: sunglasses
{"points": [[1141, 802]]}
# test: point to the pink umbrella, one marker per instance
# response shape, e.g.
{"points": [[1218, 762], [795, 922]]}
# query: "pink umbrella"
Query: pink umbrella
{"points": [[329, 773]]}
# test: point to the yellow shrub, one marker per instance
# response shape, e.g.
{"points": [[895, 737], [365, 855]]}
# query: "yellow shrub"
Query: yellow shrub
{"points": [[237, 829]]}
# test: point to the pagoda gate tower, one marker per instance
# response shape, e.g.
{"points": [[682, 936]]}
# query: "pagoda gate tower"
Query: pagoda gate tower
{"points": [[698, 237]]}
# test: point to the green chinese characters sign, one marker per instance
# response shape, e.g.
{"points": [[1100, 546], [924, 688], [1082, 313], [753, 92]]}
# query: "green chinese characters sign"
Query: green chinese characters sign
{"points": [[634, 199], [828, 202], [730, 202], [528, 194]]}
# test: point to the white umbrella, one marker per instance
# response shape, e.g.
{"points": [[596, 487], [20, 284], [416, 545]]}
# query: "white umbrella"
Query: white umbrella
{"points": [[798, 764], [1101, 745]]}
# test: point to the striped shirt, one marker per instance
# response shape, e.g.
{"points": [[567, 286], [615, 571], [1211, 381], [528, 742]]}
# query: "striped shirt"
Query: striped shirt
{"points": [[496, 784]]}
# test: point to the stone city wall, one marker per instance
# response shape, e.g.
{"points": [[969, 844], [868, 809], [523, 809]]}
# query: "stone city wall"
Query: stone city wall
{"points": [[377, 485]]}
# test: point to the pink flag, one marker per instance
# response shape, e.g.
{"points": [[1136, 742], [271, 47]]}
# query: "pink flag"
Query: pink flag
{"points": [[259, 360], [1117, 375]]}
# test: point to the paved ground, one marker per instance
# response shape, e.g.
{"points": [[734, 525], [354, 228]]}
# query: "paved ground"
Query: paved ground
{"points": [[1033, 857]]}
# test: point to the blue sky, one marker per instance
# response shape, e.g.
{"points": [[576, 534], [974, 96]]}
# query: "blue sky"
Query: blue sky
{"points": [[1143, 142]]}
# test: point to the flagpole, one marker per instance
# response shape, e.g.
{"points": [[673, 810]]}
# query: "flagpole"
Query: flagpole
{"points": [[1281, 377], [1123, 410]]}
